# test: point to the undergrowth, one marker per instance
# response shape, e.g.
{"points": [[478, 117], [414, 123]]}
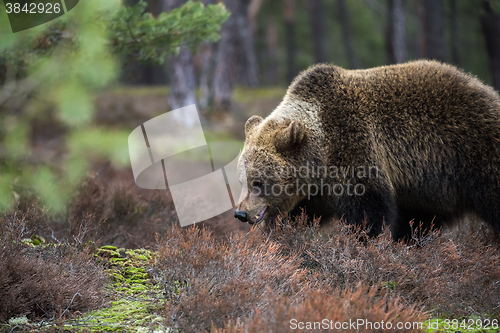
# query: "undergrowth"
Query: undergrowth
{"points": [[54, 272], [45, 281]]}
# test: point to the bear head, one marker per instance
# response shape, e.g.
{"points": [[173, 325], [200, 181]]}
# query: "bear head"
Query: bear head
{"points": [[267, 168]]}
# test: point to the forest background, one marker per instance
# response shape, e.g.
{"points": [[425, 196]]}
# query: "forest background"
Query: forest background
{"points": [[82, 247]]}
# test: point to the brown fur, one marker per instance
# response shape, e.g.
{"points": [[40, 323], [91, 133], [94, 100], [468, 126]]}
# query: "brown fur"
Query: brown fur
{"points": [[431, 131]]}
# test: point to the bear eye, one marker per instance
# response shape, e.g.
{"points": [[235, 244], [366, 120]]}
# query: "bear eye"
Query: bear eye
{"points": [[256, 183]]}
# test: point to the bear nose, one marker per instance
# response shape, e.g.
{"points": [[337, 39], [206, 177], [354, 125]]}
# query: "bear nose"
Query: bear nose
{"points": [[241, 215]]}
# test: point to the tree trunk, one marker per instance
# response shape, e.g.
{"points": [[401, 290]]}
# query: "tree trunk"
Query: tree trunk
{"points": [[490, 23], [434, 45], [396, 32], [253, 10], [206, 75], [247, 64], [317, 21], [182, 78], [235, 59], [345, 22], [291, 46], [419, 42], [455, 57], [226, 66], [249, 71], [206, 71], [271, 54]]}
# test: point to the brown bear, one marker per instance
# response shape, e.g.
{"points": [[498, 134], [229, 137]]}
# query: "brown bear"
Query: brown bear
{"points": [[418, 142]]}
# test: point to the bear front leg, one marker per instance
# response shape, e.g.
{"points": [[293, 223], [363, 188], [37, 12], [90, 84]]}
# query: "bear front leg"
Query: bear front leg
{"points": [[370, 206]]}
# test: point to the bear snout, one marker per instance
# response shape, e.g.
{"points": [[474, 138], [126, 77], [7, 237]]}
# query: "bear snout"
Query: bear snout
{"points": [[241, 215]]}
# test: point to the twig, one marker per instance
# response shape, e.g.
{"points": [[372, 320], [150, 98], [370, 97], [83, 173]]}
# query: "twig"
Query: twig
{"points": [[13, 328], [44, 312], [77, 293], [54, 237], [131, 33]]}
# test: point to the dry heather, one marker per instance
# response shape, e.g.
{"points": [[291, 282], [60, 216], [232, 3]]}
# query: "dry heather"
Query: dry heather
{"points": [[451, 275], [250, 284], [259, 282], [111, 208], [255, 281], [357, 309], [45, 282], [209, 282]]}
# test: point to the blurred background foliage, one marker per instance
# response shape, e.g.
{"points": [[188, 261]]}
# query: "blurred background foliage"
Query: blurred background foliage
{"points": [[72, 89], [51, 74]]}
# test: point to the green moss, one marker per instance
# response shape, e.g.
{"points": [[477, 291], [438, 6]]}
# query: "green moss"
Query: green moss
{"points": [[122, 315], [109, 247], [134, 273], [390, 284], [134, 304], [134, 301], [34, 240], [18, 321], [118, 260], [37, 240], [27, 241], [109, 254], [140, 254], [117, 277]]}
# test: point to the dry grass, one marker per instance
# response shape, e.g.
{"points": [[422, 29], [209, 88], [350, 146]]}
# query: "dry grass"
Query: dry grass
{"points": [[257, 283], [115, 211], [45, 282], [341, 309], [252, 281], [452, 275], [209, 282]]}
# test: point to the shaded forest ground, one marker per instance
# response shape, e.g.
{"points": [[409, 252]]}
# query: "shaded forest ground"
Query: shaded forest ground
{"points": [[116, 260]]}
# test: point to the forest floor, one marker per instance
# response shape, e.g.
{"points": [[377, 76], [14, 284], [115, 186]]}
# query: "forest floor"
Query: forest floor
{"points": [[118, 261]]}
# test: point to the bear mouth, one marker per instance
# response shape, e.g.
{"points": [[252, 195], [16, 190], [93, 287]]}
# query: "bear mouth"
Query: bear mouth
{"points": [[259, 216]]}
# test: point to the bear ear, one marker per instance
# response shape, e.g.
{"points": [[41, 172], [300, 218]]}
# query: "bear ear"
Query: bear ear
{"points": [[251, 123], [290, 137]]}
